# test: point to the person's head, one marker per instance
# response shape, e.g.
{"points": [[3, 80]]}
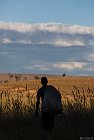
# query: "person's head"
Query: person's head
{"points": [[44, 81]]}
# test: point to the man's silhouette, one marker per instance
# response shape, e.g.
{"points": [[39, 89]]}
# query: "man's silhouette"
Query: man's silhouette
{"points": [[46, 117]]}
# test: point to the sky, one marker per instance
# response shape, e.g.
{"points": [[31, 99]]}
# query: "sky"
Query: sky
{"points": [[36, 11], [64, 29]]}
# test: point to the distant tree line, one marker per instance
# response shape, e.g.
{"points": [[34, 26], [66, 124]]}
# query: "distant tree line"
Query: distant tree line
{"points": [[17, 77]]}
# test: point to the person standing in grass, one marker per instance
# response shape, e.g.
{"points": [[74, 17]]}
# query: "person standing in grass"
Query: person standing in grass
{"points": [[46, 117], [51, 104]]}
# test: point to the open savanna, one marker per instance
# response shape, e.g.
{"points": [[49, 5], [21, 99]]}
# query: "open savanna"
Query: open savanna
{"points": [[31, 82], [18, 100], [63, 83]]}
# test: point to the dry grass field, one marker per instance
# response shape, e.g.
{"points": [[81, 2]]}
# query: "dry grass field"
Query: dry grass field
{"points": [[31, 83], [64, 84], [18, 100]]}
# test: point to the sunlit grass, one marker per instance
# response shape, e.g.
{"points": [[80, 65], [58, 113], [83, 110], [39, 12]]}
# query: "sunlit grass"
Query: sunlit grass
{"points": [[17, 109]]}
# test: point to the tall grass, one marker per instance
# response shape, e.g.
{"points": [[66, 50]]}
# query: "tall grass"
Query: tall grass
{"points": [[17, 120]]}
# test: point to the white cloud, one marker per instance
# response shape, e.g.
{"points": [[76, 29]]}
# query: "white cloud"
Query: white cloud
{"points": [[90, 57], [69, 65], [51, 27], [39, 67], [90, 69], [67, 43], [6, 41], [91, 42], [20, 27], [56, 34], [24, 42]]}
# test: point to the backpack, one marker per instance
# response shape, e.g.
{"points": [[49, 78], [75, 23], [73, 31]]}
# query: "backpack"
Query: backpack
{"points": [[52, 100]]}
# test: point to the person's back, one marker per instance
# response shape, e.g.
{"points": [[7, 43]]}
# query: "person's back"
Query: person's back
{"points": [[47, 116], [52, 100]]}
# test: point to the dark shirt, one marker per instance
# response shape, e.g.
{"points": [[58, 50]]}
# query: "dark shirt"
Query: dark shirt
{"points": [[40, 94]]}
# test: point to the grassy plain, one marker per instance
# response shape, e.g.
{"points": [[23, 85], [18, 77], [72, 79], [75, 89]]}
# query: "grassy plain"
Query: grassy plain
{"points": [[64, 84], [17, 107]]}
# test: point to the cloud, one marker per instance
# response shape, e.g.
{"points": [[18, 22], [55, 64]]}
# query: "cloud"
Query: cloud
{"points": [[51, 27], [6, 41], [52, 67], [24, 42], [56, 34], [90, 69], [91, 42], [69, 65], [37, 65], [53, 48], [68, 43], [42, 65], [90, 56]]}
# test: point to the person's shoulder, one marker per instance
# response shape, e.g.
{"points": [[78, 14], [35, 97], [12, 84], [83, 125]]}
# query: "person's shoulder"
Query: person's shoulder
{"points": [[40, 90], [51, 86]]}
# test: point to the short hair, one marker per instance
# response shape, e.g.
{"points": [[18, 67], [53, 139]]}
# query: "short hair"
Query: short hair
{"points": [[44, 80]]}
